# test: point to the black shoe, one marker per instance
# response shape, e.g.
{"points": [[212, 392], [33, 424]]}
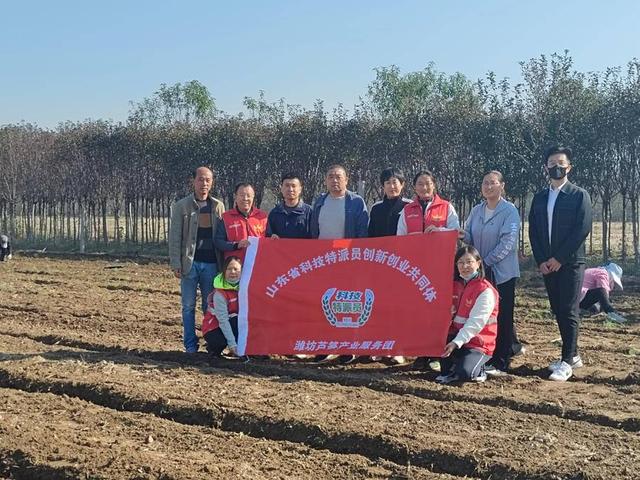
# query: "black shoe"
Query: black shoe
{"points": [[324, 358], [346, 359], [421, 363]]}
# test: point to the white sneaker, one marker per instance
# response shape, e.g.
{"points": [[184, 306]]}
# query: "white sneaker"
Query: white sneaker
{"points": [[616, 317], [493, 371], [562, 373], [398, 360], [480, 378], [576, 362], [434, 365]]}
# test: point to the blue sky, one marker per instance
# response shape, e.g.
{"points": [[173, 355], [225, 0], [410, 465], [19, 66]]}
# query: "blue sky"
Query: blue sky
{"points": [[73, 60]]}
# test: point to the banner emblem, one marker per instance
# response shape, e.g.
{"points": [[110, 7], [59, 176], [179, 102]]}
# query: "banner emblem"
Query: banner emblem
{"points": [[346, 309]]}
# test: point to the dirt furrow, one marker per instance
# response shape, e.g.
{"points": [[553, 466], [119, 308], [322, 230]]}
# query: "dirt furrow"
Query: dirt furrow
{"points": [[605, 406], [16, 465], [453, 437], [57, 436]]}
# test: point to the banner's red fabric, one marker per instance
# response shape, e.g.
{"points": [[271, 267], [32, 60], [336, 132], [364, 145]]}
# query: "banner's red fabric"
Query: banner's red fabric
{"points": [[373, 296]]}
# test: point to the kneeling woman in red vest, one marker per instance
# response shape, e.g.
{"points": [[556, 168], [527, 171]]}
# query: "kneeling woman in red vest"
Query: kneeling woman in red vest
{"points": [[220, 322], [473, 332]]}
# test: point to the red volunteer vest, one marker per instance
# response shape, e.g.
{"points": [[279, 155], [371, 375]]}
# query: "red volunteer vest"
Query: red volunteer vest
{"points": [[239, 227], [436, 214], [209, 321], [464, 298]]}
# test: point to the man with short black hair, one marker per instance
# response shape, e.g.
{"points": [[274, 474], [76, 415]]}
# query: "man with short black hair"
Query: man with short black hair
{"points": [[339, 213], [192, 255], [292, 217], [336, 214], [559, 223]]}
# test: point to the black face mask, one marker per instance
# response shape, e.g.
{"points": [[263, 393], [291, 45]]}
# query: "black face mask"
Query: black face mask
{"points": [[557, 172]]}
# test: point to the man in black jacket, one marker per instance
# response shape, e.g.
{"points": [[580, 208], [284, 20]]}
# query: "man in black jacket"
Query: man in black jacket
{"points": [[559, 223], [292, 217]]}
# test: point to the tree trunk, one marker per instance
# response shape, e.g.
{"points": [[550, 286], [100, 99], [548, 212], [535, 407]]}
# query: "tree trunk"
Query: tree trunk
{"points": [[605, 228], [634, 227], [624, 227], [81, 228]]}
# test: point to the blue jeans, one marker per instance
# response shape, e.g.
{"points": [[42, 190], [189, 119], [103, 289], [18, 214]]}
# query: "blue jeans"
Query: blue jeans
{"points": [[200, 274]]}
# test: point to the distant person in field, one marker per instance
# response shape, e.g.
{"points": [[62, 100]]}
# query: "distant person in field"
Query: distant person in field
{"points": [[597, 284], [292, 217], [338, 213], [192, 255], [493, 228], [244, 220], [473, 332], [220, 323], [559, 223], [5, 248], [385, 213]]}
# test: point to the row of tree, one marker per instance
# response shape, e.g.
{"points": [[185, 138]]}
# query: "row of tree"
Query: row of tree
{"points": [[106, 182]]}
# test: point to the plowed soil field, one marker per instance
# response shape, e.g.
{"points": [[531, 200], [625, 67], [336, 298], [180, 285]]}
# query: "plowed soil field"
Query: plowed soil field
{"points": [[93, 385]]}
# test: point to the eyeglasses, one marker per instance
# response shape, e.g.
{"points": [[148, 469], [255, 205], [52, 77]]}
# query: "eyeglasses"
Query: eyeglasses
{"points": [[464, 263]]}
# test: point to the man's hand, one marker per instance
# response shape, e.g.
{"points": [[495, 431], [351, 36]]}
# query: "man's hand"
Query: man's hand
{"points": [[177, 273], [544, 268], [273, 235], [244, 243], [448, 349], [430, 228], [553, 265]]}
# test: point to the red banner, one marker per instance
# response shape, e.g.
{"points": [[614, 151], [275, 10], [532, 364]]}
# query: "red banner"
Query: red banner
{"points": [[372, 296]]}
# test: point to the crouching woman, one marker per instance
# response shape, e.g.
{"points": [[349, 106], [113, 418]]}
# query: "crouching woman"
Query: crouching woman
{"points": [[220, 323], [473, 332]]}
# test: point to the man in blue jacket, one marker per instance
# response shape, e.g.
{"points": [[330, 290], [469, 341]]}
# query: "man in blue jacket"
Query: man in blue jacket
{"points": [[339, 213], [292, 217]]}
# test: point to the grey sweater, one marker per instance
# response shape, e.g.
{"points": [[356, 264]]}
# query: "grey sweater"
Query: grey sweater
{"points": [[496, 238], [221, 311]]}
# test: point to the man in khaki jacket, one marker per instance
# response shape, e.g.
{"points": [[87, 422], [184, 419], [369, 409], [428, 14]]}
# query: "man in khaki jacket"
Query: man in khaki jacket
{"points": [[192, 254]]}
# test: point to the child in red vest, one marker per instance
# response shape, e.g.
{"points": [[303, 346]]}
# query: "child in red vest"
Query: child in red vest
{"points": [[473, 332], [220, 322]]}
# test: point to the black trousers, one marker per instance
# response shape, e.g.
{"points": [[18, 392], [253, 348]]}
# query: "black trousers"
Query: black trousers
{"points": [[216, 341], [563, 289], [597, 295], [467, 364], [507, 343]]}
